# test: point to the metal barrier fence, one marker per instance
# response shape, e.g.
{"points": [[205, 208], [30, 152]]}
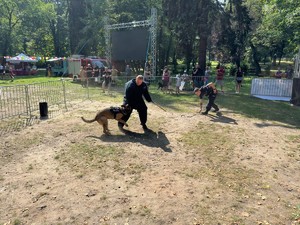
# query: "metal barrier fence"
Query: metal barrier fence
{"points": [[19, 105], [272, 87], [23, 100]]}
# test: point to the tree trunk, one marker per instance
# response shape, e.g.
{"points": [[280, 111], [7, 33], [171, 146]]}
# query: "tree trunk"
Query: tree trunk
{"points": [[76, 17], [189, 56], [202, 54], [167, 56], [7, 40], [255, 59]]}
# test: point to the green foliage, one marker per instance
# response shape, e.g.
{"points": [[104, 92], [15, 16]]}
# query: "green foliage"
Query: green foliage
{"points": [[268, 69], [245, 67], [186, 29], [232, 69], [296, 214], [17, 222], [278, 33]]}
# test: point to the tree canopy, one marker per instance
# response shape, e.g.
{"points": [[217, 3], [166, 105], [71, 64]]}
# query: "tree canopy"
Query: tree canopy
{"points": [[189, 31]]}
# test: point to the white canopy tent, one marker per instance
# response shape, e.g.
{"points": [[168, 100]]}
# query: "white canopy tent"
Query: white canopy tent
{"points": [[21, 58]]}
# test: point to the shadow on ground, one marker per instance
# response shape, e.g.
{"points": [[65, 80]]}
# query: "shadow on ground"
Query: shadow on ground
{"points": [[149, 138], [220, 118]]}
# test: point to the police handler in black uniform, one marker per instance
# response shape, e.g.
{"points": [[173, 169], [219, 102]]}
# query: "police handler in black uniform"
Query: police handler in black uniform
{"points": [[210, 91], [135, 90]]}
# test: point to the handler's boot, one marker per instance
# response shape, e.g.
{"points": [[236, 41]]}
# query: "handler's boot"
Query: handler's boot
{"points": [[145, 126], [216, 110], [205, 113]]}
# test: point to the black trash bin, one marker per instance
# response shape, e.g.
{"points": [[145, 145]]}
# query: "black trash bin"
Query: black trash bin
{"points": [[295, 100], [44, 110]]}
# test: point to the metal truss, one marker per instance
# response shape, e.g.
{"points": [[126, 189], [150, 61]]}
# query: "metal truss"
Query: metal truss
{"points": [[152, 23]]}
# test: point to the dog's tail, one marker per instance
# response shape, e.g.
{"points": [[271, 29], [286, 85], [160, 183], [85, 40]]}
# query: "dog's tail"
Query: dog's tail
{"points": [[88, 121]]}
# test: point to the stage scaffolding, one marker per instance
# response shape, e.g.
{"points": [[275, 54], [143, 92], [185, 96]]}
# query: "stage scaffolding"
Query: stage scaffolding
{"points": [[152, 23]]}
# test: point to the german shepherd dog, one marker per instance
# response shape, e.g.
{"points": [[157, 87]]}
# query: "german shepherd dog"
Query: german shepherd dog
{"points": [[110, 113]]}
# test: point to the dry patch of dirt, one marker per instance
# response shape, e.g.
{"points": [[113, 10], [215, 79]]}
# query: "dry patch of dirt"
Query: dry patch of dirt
{"points": [[189, 169]]}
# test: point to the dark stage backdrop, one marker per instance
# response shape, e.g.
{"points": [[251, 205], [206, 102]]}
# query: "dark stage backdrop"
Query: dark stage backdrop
{"points": [[130, 44]]}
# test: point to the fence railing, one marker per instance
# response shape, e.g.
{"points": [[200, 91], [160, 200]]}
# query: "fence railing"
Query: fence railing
{"points": [[272, 87], [23, 100], [19, 105]]}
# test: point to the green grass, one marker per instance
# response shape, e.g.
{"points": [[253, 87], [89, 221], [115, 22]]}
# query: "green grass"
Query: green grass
{"points": [[82, 156], [23, 80], [217, 151], [272, 112], [296, 214], [243, 103]]}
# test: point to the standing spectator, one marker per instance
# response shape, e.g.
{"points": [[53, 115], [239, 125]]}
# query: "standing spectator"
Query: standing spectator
{"points": [[83, 76], [9, 69], [135, 90], [128, 72], [106, 80], [114, 75], [178, 84], [239, 76], [49, 70], [96, 74], [166, 78], [198, 77], [89, 71], [278, 73], [220, 77], [6, 68], [289, 72], [207, 75], [34, 68], [2, 71], [11, 73], [184, 78]]}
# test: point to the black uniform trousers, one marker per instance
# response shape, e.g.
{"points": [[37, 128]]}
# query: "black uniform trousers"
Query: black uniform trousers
{"points": [[211, 103], [142, 111]]}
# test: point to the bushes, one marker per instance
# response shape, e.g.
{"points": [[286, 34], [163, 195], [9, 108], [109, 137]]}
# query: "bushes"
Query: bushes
{"points": [[233, 68]]}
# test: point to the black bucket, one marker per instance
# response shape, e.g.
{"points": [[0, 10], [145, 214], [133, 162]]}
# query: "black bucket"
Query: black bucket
{"points": [[43, 110]]}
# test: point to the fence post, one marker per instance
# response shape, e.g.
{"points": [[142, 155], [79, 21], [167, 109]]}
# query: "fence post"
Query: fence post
{"points": [[27, 100], [64, 93], [87, 87]]}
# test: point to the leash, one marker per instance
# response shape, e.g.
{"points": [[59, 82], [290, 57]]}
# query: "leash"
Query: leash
{"points": [[159, 106]]}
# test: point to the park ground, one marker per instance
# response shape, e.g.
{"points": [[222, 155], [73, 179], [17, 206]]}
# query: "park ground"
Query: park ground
{"points": [[225, 168]]}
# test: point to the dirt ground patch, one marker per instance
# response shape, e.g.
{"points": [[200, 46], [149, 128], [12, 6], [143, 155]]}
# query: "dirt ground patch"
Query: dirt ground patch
{"points": [[189, 169]]}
